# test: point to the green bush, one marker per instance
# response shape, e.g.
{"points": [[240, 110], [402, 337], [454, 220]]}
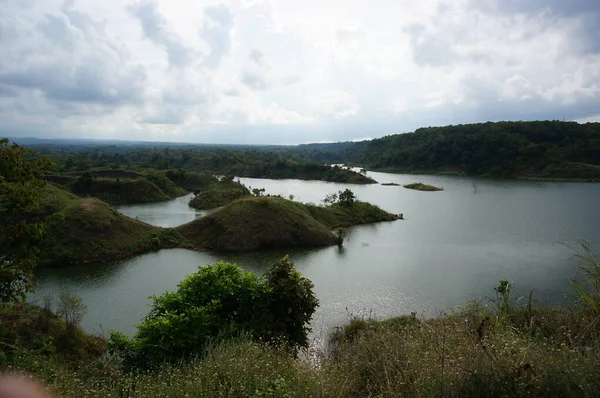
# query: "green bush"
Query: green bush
{"points": [[221, 301]]}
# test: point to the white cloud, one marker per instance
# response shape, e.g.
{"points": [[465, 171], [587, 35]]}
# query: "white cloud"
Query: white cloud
{"points": [[282, 71]]}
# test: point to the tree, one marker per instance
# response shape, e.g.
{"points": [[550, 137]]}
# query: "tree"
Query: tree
{"points": [[21, 185], [222, 301], [330, 199], [292, 303], [347, 197], [72, 309]]}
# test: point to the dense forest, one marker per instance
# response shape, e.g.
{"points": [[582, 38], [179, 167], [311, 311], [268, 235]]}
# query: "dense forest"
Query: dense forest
{"points": [[241, 161], [542, 149]]}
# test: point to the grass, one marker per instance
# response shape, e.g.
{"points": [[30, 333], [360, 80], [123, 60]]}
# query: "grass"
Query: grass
{"points": [[346, 215], [89, 230], [255, 223], [273, 222], [217, 198], [119, 191], [422, 187], [470, 353], [33, 331], [390, 184], [476, 351]]}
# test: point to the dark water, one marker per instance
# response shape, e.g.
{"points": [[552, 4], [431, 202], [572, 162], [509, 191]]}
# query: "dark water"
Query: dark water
{"points": [[453, 246]]}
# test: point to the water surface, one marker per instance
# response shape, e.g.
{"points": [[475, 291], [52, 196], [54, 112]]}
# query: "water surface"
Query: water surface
{"points": [[454, 246]]}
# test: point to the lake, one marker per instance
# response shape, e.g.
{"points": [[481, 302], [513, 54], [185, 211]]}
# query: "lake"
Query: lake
{"points": [[454, 246]]}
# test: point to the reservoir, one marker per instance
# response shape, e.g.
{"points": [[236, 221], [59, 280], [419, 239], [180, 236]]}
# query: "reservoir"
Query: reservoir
{"points": [[453, 246]]}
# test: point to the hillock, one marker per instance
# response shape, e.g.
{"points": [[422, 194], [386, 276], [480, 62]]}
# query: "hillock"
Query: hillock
{"points": [[273, 222], [418, 186], [217, 198], [258, 223], [89, 230], [346, 215], [219, 193]]}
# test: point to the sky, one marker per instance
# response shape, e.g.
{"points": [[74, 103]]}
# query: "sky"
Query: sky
{"points": [[291, 71]]}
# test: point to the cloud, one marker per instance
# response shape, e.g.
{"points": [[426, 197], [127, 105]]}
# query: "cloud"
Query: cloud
{"points": [[155, 28], [216, 31], [284, 72], [254, 80], [67, 57], [584, 16]]}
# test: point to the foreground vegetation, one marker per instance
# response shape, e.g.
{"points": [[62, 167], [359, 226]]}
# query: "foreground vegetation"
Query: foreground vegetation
{"points": [[497, 349]]}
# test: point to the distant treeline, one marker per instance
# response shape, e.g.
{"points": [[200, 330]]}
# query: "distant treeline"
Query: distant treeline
{"points": [[266, 162], [544, 149]]}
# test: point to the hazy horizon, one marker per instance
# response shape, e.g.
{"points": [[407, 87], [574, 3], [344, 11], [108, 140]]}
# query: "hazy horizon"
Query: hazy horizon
{"points": [[276, 72]]}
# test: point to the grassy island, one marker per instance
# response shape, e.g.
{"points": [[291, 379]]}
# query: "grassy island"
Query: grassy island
{"points": [[89, 230], [219, 193], [273, 222], [390, 184], [423, 187]]}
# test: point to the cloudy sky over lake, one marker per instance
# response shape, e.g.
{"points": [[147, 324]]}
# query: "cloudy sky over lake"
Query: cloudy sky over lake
{"points": [[291, 71]]}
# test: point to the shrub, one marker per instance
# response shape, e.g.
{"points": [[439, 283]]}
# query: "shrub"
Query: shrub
{"points": [[221, 301], [72, 309], [346, 197]]}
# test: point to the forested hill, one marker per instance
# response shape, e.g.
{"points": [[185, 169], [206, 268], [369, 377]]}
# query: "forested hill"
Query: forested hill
{"points": [[544, 149]]}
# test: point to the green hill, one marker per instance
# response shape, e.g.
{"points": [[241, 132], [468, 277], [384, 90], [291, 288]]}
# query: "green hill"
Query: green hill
{"points": [[273, 222], [89, 230], [537, 150], [257, 223], [217, 197]]}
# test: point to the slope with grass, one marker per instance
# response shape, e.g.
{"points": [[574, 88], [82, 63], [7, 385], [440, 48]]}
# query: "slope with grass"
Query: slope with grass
{"points": [[217, 197], [419, 186], [257, 223], [475, 352], [273, 222], [119, 187], [89, 230], [346, 215]]}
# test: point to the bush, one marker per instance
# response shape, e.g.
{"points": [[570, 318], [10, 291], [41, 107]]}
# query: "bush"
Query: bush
{"points": [[221, 301], [72, 309]]}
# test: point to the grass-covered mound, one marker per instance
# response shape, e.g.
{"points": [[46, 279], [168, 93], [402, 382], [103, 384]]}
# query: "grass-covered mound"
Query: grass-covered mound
{"points": [[29, 333], [191, 180], [119, 187], [54, 198], [217, 197], [257, 223], [218, 193], [118, 191], [349, 214], [418, 186], [89, 230], [273, 222], [390, 184]]}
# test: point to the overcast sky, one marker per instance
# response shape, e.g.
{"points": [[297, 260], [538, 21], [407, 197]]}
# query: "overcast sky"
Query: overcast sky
{"points": [[291, 71]]}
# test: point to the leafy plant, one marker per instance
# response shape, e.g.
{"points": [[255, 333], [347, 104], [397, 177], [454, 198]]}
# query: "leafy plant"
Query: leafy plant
{"points": [[72, 309], [21, 184], [221, 301], [347, 197]]}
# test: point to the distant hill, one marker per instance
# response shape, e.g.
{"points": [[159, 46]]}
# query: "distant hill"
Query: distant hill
{"points": [[544, 149]]}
